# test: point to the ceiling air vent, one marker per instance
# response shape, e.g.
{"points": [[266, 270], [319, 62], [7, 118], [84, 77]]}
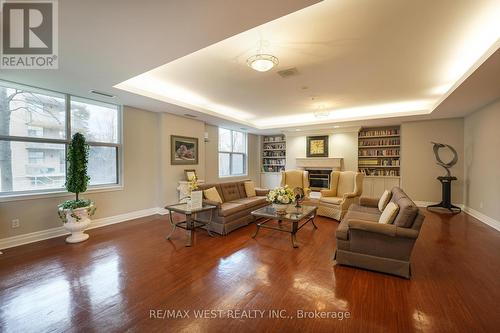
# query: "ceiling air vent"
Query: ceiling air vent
{"points": [[288, 72], [100, 93]]}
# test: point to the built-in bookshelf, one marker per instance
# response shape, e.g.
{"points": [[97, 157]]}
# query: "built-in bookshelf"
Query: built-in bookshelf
{"points": [[379, 151], [273, 153]]}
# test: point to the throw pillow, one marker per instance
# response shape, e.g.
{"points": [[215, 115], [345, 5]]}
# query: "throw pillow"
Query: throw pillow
{"points": [[384, 200], [389, 213], [212, 195], [250, 189]]}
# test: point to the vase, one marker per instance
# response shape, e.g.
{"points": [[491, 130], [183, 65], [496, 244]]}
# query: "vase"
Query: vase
{"points": [[77, 221], [280, 208]]}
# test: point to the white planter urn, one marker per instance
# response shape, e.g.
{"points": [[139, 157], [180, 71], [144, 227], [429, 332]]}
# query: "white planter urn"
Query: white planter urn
{"points": [[280, 208], [77, 220]]}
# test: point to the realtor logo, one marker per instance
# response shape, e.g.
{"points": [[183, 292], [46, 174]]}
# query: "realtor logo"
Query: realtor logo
{"points": [[29, 34]]}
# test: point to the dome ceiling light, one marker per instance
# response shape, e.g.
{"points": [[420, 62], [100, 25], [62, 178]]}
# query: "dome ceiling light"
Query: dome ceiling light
{"points": [[262, 62]]}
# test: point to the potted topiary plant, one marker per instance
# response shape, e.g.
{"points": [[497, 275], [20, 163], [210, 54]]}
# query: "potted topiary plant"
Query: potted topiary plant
{"points": [[76, 214]]}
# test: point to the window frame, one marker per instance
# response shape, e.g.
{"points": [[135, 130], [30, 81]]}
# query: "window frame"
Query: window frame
{"points": [[35, 194], [231, 153]]}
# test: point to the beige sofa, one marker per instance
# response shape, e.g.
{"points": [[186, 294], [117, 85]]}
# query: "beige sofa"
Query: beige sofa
{"points": [[345, 189], [365, 243], [235, 210]]}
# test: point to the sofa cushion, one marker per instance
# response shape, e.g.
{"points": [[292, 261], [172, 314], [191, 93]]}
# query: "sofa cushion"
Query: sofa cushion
{"points": [[397, 193], [250, 189], [331, 200], [241, 188], [250, 202], [230, 208], [364, 209], [230, 191], [389, 213], [212, 195], [407, 213], [384, 200], [362, 215]]}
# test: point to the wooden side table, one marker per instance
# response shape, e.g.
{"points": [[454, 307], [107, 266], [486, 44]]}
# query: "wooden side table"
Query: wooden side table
{"points": [[191, 222]]}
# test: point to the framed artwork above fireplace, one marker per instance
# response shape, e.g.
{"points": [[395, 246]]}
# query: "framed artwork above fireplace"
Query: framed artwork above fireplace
{"points": [[317, 146]]}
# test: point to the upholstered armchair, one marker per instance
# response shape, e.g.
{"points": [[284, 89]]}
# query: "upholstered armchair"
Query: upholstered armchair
{"points": [[296, 178], [346, 188]]}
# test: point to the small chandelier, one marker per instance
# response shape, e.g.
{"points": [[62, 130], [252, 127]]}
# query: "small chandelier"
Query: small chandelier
{"points": [[262, 62], [320, 111]]}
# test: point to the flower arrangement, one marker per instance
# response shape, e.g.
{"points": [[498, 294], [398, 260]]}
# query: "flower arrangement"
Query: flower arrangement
{"points": [[281, 195], [193, 184]]}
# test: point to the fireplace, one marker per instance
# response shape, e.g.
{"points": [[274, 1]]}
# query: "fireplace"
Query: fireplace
{"points": [[319, 179]]}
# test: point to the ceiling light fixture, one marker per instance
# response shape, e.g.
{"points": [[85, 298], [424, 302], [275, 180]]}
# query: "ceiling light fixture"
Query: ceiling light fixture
{"points": [[262, 62], [321, 111]]}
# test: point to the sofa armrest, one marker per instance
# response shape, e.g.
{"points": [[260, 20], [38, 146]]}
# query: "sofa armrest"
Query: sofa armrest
{"points": [[210, 202], [261, 191], [368, 202], [383, 229], [328, 193]]}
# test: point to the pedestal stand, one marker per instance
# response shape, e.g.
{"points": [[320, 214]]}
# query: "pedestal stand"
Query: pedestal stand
{"points": [[446, 195]]}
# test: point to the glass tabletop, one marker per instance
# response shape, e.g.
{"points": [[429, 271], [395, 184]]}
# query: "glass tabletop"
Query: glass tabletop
{"points": [[292, 213], [184, 208]]}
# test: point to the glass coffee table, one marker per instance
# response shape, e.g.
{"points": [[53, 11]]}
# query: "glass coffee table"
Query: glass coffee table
{"points": [[296, 216], [191, 222]]}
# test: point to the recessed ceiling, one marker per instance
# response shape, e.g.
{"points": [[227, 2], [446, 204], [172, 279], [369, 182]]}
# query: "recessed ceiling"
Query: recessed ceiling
{"points": [[354, 60]]}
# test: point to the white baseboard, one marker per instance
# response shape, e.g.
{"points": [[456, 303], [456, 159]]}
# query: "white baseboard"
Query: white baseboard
{"points": [[483, 218], [474, 213], [424, 204], [37, 236]]}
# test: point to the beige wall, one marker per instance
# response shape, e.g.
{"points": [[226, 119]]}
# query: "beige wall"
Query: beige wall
{"points": [[141, 171], [212, 157], [341, 144], [171, 174], [418, 166], [482, 161]]}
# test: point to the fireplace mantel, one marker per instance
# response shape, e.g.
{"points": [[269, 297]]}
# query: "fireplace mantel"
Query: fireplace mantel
{"points": [[335, 163]]}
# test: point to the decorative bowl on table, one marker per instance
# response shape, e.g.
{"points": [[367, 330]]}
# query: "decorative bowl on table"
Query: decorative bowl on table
{"points": [[280, 208]]}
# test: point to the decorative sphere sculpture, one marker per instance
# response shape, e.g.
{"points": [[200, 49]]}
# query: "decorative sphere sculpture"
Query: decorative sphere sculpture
{"points": [[440, 162]]}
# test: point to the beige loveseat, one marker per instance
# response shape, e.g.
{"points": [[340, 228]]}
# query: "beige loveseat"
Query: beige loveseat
{"points": [[234, 212], [365, 243], [345, 189]]}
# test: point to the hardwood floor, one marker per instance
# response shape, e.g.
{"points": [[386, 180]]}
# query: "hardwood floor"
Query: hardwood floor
{"points": [[117, 279]]}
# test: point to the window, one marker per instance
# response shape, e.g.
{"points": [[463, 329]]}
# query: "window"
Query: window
{"points": [[36, 157], [232, 153], [99, 123], [35, 129]]}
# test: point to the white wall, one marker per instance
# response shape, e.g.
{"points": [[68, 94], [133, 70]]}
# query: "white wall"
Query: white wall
{"points": [[482, 161], [418, 165], [342, 143]]}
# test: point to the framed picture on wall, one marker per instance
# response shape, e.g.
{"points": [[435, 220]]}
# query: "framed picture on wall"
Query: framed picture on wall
{"points": [[183, 150], [317, 146], [190, 174]]}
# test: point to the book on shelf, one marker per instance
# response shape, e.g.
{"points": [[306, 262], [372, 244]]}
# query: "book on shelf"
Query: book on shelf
{"points": [[379, 132], [379, 142]]}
